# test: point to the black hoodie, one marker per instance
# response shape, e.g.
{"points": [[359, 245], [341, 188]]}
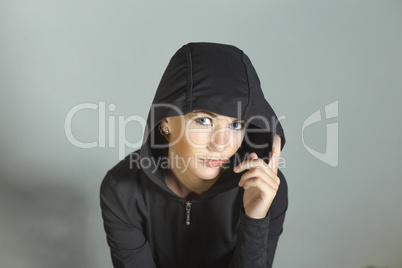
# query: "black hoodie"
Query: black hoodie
{"points": [[146, 223]]}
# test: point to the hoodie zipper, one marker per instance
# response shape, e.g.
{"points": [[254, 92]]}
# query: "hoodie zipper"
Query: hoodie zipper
{"points": [[188, 209]]}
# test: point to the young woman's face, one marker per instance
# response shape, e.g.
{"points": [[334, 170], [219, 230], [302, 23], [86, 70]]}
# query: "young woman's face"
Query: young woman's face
{"points": [[201, 142]]}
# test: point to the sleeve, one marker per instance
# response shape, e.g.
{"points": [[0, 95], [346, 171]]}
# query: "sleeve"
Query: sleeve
{"points": [[128, 245], [257, 238]]}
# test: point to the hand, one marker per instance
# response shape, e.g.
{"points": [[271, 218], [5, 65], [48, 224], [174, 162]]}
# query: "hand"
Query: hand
{"points": [[261, 182]]}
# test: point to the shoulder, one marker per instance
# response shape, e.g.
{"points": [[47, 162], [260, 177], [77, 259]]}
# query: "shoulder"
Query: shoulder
{"points": [[124, 192], [123, 178]]}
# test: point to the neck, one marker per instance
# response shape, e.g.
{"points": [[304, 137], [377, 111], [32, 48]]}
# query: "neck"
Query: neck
{"points": [[187, 188]]}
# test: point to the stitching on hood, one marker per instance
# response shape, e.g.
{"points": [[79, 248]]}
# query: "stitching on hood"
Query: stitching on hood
{"points": [[248, 83], [189, 95]]}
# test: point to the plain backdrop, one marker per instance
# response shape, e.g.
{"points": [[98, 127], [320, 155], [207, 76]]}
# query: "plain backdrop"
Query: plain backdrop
{"points": [[55, 55]]}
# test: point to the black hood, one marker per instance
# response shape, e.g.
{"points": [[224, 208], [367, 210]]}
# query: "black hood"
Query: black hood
{"points": [[218, 78]]}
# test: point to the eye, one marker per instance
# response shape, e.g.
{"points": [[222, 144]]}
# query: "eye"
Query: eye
{"points": [[237, 125], [204, 121]]}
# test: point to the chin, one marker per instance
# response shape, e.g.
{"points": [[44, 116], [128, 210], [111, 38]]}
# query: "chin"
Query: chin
{"points": [[209, 173]]}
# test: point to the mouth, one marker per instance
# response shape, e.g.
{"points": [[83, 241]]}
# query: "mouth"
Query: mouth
{"points": [[214, 162]]}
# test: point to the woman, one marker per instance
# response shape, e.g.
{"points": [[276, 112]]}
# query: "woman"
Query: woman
{"points": [[179, 201]]}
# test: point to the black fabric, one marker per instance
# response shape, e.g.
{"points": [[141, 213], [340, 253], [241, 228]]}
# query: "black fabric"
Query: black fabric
{"points": [[145, 221]]}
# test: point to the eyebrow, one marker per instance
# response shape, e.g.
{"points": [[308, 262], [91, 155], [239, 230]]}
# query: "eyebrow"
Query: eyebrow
{"points": [[214, 115]]}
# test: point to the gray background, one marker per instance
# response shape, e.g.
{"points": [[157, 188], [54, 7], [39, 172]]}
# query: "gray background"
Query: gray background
{"points": [[57, 54]]}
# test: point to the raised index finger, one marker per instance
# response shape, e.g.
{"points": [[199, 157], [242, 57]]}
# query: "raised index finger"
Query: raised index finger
{"points": [[275, 153]]}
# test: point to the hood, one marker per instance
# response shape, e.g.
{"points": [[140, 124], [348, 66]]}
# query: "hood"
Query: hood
{"points": [[218, 78]]}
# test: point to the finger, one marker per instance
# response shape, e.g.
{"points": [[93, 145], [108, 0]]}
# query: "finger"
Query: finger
{"points": [[266, 173], [276, 146], [254, 163], [252, 156], [259, 173], [275, 153], [262, 185], [272, 164], [258, 166]]}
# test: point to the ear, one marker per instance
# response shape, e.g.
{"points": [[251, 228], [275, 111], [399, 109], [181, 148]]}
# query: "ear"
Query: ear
{"points": [[162, 126], [165, 123]]}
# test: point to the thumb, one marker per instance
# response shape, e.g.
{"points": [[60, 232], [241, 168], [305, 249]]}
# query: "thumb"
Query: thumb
{"points": [[252, 156]]}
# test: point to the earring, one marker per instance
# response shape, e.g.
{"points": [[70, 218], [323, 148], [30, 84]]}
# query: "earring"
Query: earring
{"points": [[163, 132]]}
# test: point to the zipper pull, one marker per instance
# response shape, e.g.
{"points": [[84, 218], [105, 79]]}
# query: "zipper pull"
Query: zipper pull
{"points": [[188, 208]]}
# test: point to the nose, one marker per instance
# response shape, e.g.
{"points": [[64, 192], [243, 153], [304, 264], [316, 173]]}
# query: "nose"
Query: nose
{"points": [[219, 140]]}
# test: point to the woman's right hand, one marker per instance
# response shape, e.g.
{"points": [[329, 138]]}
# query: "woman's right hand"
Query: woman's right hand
{"points": [[260, 182]]}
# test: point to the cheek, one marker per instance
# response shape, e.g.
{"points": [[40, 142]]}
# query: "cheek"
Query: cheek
{"points": [[237, 141], [197, 139], [188, 146]]}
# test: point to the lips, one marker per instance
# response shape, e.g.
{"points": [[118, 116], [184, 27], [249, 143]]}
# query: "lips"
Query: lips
{"points": [[213, 162]]}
